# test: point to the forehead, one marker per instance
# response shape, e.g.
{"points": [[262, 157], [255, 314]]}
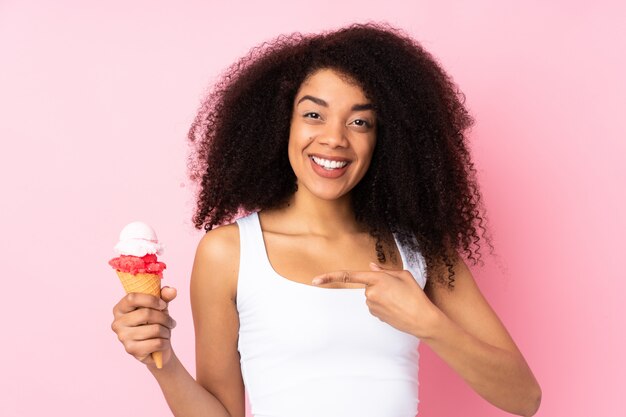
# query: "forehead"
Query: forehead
{"points": [[332, 84]]}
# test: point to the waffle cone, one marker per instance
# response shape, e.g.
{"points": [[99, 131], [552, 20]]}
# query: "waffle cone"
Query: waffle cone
{"points": [[145, 284], [142, 283]]}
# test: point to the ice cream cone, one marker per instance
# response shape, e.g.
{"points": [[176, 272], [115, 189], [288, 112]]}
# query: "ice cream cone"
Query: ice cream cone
{"points": [[137, 266], [145, 284]]}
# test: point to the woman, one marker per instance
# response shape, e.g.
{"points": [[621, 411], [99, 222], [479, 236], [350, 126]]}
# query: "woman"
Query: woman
{"points": [[346, 153]]}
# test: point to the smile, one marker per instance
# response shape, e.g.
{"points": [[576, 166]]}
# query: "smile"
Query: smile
{"points": [[329, 165]]}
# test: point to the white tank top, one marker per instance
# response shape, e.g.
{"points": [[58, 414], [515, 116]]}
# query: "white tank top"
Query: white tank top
{"points": [[310, 351]]}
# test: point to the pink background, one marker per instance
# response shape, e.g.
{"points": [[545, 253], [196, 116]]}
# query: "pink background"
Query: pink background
{"points": [[95, 102]]}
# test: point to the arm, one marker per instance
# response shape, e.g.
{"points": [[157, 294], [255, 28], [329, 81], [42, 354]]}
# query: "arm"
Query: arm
{"points": [[218, 390], [468, 335], [459, 325], [215, 316], [184, 395]]}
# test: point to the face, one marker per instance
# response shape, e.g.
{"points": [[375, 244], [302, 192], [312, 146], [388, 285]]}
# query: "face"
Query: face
{"points": [[332, 135]]}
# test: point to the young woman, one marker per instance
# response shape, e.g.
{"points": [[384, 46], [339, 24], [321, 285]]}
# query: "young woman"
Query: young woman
{"points": [[337, 170]]}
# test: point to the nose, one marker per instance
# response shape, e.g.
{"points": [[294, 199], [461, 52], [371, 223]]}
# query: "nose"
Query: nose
{"points": [[334, 135]]}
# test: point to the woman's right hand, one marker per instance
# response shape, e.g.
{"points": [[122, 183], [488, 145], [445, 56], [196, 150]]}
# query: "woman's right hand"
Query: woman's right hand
{"points": [[143, 325]]}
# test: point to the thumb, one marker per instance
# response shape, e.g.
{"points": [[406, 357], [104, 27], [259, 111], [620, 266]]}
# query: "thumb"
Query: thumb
{"points": [[375, 267], [168, 294], [378, 267]]}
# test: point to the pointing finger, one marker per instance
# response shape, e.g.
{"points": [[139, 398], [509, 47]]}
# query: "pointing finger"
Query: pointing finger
{"points": [[362, 277]]}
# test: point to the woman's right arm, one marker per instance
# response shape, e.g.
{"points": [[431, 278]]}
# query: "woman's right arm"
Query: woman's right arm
{"points": [[218, 389]]}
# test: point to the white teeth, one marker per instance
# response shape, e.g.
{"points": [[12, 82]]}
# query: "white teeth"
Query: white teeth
{"points": [[329, 164]]}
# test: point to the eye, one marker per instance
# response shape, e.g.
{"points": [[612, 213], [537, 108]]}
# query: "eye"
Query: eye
{"points": [[312, 113], [363, 123]]}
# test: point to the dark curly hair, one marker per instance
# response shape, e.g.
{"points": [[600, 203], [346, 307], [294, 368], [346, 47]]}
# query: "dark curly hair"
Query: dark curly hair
{"points": [[421, 183]]}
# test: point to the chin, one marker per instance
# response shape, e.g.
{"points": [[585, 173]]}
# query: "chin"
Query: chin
{"points": [[329, 195]]}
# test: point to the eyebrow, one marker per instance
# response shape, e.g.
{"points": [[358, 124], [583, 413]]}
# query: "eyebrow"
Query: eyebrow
{"points": [[356, 107]]}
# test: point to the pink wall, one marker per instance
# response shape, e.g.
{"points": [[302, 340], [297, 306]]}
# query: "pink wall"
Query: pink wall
{"points": [[95, 102]]}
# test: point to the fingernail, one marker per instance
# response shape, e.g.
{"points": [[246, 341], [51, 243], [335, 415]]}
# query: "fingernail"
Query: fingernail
{"points": [[317, 281], [374, 265], [162, 304]]}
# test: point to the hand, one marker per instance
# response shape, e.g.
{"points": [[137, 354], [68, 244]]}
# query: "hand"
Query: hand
{"points": [[142, 323], [393, 296]]}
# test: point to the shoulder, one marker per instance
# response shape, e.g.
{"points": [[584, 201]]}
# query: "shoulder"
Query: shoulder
{"points": [[216, 263], [220, 243]]}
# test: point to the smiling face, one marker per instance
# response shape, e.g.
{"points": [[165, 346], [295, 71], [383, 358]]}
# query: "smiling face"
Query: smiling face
{"points": [[332, 135]]}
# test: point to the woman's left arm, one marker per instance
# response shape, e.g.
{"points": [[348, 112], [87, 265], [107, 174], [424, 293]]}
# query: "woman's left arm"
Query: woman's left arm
{"points": [[459, 326], [468, 335]]}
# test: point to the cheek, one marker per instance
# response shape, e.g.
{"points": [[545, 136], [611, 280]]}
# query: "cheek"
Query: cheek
{"points": [[299, 137], [293, 138], [368, 149], [291, 151], [295, 148]]}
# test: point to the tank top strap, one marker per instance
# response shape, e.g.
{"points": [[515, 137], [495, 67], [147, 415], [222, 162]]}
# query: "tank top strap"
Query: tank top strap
{"points": [[254, 268], [249, 236], [414, 262]]}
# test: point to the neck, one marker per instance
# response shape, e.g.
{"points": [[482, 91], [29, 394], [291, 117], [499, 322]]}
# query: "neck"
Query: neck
{"points": [[322, 217]]}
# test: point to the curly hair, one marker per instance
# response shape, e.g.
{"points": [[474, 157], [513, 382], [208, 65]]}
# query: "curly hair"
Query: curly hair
{"points": [[421, 183]]}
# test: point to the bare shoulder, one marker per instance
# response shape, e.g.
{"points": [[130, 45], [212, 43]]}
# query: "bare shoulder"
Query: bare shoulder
{"points": [[217, 258], [215, 317]]}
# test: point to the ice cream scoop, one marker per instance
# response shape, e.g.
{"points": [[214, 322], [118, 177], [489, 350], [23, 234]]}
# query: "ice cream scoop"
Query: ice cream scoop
{"points": [[138, 239]]}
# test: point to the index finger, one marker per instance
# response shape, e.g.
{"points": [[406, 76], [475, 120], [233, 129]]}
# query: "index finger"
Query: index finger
{"points": [[134, 300], [361, 277]]}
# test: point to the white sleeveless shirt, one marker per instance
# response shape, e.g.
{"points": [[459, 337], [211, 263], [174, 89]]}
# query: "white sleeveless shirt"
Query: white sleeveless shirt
{"points": [[310, 351]]}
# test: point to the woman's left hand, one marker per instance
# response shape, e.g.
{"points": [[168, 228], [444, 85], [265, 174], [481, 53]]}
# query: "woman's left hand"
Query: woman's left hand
{"points": [[393, 296]]}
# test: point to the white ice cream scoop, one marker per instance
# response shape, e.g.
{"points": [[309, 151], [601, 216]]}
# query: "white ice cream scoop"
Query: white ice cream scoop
{"points": [[138, 239]]}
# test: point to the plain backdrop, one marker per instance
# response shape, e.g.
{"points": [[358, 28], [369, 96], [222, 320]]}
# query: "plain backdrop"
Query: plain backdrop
{"points": [[95, 102]]}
